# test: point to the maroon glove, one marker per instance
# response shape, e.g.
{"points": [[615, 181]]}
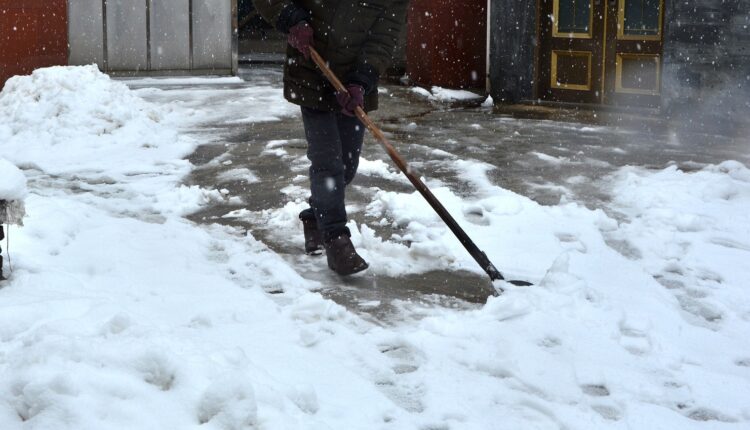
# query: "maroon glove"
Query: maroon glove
{"points": [[349, 100], [301, 38]]}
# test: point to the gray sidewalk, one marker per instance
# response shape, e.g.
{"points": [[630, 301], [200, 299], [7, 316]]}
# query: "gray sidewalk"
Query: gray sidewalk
{"points": [[543, 153]]}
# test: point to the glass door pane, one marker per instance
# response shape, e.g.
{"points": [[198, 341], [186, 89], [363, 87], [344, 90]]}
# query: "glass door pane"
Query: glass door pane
{"points": [[572, 17], [638, 18]]}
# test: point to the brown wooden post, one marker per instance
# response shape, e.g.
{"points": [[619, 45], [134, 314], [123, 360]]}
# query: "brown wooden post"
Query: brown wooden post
{"points": [[447, 43]]}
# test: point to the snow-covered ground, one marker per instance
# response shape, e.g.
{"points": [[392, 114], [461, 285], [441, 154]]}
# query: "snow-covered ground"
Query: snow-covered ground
{"points": [[121, 314]]}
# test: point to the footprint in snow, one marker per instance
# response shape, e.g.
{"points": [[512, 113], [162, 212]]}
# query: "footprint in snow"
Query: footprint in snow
{"points": [[607, 412], [398, 387], [595, 390], [550, 342], [571, 242], [702, 314], [634, 339], [710, 276], [408, 397], [116, 324], [158, 370], [669, 283], [475, 215], [729, 243], [403, 356], [624, 248], [706, 414], [698, 312], [229, 403]]}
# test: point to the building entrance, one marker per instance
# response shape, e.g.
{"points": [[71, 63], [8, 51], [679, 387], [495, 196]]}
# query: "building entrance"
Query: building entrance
{"points": [[601, 51]]}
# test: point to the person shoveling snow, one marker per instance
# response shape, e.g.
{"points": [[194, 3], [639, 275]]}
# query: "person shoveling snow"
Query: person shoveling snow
{"points": [[335, 140], [358, 40]]}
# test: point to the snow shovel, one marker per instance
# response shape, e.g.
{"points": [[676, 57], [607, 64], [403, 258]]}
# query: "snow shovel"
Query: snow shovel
{"points": [[479, 256]]}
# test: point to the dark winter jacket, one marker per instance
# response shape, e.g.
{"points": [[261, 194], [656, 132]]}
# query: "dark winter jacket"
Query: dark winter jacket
{"points": [[356, 37]]}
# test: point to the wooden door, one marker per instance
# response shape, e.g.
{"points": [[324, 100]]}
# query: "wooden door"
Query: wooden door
{"points": [[633, 52], [600, 51]]}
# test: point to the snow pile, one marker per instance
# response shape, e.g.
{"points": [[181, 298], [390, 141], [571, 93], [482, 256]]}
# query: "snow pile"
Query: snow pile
{"points": [[63, 120], [446, 95], [12, 181]]}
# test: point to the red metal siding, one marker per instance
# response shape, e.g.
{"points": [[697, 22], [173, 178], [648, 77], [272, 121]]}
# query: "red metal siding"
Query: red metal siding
{"points": [[447, 43], [33, 33]]}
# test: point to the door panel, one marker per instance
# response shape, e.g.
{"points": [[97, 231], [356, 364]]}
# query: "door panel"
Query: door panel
{"points": [[637, 74], [601, 51], [212, 33], [86, 32], [571, 70], [170, 35], [127, 42]]}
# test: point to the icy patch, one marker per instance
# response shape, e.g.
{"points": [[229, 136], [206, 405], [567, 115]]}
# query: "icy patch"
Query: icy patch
{"points": [[240, 174], [549, 158]]}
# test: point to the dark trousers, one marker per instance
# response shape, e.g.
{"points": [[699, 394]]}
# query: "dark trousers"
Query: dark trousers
{"points": [[334, 142]]}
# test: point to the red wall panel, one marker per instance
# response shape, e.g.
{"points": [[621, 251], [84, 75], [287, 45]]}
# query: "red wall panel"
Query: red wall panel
{"points": [[33, 33], [447, 43]]}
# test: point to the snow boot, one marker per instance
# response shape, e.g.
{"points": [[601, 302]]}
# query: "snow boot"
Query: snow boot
{"points": [[313, 237], [342, 258]]}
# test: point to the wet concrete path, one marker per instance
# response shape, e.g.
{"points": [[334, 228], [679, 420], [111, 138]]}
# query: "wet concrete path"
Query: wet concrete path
{"points": [[543, 153]]}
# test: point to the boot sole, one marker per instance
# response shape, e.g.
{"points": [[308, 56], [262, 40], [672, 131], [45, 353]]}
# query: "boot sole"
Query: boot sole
{"points": [[352, 272], [318, 251]]}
